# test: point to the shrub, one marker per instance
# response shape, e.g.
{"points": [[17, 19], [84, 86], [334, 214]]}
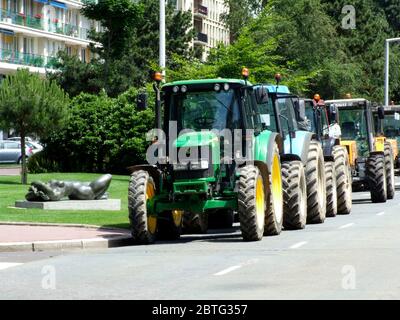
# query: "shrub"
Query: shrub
{"points": [[41, 163], [103, 134]]}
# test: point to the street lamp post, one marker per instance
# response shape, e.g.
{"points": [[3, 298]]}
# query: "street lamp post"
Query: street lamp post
{"points": [[387, 67], [162, 38]]}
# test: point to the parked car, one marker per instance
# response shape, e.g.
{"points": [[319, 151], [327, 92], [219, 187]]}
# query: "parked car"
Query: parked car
{"points": [[34, 144], [10, 151]]}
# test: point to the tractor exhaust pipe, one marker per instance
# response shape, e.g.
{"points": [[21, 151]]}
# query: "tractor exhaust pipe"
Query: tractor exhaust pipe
{"points": [[156, 86]]}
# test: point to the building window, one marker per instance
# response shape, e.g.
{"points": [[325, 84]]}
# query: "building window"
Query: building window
{"points": [[83, 55]]}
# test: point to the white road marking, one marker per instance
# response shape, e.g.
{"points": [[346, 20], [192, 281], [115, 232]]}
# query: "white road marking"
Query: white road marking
{"points": [[227, 270], [380, 213], [298, 245], [6, 265], [233, 268], [347, 226]]}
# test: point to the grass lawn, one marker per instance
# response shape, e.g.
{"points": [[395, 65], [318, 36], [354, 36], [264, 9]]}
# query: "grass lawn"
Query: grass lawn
{"points": [[11, 190]]}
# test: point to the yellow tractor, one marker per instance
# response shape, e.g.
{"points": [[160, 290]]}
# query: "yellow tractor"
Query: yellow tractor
{"points": [[370, 154], [389, 127]]}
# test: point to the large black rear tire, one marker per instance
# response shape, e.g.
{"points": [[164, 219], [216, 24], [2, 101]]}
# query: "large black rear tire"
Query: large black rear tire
{"points": [[343, 180], [141, 189], [331, 190], [316, 184], [251, 203], [389, 165], [376, 176], [294, 195]]}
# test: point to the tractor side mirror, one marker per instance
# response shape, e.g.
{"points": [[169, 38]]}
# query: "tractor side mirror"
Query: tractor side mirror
{"points": [[261, 95], [300, 110], [141, 101], [381, 113]]}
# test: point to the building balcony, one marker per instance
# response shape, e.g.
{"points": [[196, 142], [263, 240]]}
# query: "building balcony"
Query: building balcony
{"points": [[39, 23], [201, 39], [201, 11], [25, 59]]}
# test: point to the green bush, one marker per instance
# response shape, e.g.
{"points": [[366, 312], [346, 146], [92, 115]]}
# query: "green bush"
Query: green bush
{"points": [[103, 134], [41, 163]]}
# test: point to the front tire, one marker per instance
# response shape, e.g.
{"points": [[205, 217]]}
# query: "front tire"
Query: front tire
{"points": [[141, 190], [274, 213], [294, 195], [331, 190], [251, 203], [316, 184], [389, 166], [376, 176], [343, 180]]}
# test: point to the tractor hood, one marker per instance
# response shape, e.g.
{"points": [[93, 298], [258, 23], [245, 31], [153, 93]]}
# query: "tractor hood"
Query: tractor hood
{"points": [[196, 139], [200, 139]]}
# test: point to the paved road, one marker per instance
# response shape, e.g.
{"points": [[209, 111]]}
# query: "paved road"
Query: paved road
{"points": [[348, 257]]}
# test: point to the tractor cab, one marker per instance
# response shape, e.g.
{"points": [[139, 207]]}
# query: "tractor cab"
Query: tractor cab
{"points": [[389, 127], [371, 156]]}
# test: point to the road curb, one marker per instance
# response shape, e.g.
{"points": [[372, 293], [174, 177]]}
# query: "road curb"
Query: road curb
{"points": [[95, 243], [66, 225], [57, 245]]}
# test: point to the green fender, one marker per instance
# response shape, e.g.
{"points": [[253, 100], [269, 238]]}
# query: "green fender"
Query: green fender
{"points": [[264, 147]]}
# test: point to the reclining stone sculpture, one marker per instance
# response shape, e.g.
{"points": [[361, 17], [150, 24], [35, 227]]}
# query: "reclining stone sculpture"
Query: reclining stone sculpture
{"points": [[55, 190]]}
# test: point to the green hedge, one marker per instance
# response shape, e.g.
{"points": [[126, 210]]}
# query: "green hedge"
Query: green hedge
{"points": [[103, 134]]}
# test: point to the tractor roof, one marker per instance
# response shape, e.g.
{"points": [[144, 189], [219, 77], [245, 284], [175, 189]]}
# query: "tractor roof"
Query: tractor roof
{"points": [[277, 89], [347, 102], [389, 109], [206, 81]]}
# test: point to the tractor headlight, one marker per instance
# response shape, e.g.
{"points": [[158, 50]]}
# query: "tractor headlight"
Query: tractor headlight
{"points": [[180, 166], [201, 165]]}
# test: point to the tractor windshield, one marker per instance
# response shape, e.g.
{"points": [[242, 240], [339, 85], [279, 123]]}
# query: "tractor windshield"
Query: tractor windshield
{"points": [[392, 126], [206, 110], [354, 127]]}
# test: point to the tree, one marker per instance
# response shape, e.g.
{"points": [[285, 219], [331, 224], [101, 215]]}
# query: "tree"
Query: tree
{"points": [[240, 13], [129, 46], [31, 105], [103, 134]]}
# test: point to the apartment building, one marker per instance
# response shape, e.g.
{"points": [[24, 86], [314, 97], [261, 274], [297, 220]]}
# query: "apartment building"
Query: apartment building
{"points": [[33, 31], [210, 30]]}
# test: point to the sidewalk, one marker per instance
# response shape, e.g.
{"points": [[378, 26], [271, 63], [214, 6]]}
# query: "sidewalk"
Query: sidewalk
{"points": [[40, 237], [10, 171]]}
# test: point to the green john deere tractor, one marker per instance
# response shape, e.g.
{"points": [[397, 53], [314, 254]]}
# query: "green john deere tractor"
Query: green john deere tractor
{"points": [[206, 170]]}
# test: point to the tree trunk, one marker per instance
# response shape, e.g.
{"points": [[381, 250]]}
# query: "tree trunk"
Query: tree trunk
{"points": [[24, 175]]}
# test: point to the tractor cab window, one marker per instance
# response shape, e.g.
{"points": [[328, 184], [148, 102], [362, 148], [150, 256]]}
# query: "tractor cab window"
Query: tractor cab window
{"points": [[353, 122], [206, 110], [287, 116], [252, 111], [392, 125], [310, 117], [268, 117]]}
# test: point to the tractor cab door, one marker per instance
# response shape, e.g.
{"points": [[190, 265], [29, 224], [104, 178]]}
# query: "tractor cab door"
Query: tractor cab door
{"points": [[287, 123]]}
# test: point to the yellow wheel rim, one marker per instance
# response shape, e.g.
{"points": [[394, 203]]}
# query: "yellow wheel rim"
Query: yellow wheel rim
{"points": [[276, 188], [260, 201], [151, 220], [177, 217]]}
